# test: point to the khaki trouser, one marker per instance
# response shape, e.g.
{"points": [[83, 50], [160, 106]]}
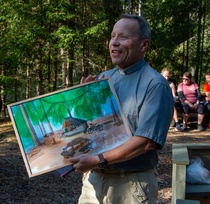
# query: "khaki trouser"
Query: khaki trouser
{"points": [[121, 188]]}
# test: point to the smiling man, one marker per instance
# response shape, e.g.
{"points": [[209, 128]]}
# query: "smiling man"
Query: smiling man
{"points": [[127, 46], [126, 173]]}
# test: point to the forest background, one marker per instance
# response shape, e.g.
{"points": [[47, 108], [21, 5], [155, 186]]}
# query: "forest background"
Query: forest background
{"points": [[46, 45]]}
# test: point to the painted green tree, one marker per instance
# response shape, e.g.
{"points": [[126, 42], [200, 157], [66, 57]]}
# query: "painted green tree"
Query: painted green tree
{"points": [[84, 102]]}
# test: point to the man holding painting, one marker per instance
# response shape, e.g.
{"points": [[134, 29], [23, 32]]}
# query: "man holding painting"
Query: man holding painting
{"points": [[126, 173]]}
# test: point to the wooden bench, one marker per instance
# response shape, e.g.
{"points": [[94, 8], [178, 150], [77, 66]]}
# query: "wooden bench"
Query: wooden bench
{"points": [[178, 201], [181, 155]]}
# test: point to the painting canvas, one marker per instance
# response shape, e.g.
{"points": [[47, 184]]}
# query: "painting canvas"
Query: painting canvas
{"points": [[53, 127]]}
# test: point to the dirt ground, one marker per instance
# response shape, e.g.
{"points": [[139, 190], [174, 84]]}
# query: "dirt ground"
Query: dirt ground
{"points": [[16, 187]]}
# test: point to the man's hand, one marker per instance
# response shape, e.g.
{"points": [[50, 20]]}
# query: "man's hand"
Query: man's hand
{"points": [[89, 79], [84, 162]]}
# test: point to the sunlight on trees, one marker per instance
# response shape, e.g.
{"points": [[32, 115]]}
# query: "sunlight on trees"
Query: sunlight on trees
{"points": [[50, 45]]}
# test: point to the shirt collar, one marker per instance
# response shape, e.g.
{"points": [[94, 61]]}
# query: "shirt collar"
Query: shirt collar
{"points": [[133, 68]]}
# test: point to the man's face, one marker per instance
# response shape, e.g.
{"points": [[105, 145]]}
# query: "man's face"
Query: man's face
{"points": [[125, 46], [166, 75], [207, 79]]}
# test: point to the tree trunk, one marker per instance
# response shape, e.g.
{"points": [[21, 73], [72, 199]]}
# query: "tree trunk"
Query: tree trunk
{"points": [[198, 50]]}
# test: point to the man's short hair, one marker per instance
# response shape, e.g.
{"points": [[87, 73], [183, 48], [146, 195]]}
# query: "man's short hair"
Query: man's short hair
{"points": [[165, 69], [144, 28]]}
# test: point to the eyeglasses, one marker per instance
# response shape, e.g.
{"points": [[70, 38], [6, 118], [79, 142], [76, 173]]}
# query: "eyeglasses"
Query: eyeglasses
{"points": [[185, 79]]}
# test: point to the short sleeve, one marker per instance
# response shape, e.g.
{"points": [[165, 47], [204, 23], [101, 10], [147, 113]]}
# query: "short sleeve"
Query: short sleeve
{"points": [[196, 86], [180, 87], [205, 88], [156, 114]]}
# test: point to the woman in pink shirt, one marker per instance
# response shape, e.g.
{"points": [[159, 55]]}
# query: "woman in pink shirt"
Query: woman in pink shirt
{"points": [[189, 94]]}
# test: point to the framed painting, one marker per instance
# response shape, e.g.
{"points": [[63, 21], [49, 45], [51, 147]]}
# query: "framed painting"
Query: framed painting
{"points": [[78, 120]]}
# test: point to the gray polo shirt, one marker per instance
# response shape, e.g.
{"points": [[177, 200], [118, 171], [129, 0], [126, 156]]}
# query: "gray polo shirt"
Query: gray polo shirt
{"points": [[147, 102]]}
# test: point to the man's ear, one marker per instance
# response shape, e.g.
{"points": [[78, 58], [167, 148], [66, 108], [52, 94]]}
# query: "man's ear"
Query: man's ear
{"points": [[144, 45]]}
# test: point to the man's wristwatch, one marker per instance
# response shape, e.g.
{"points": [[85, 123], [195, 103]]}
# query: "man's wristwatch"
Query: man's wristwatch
{"points": [[102, 162]]}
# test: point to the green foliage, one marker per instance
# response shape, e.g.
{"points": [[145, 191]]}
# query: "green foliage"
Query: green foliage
{"points": [[48, 45], [6, 80], [97, 30], [174, 34]]}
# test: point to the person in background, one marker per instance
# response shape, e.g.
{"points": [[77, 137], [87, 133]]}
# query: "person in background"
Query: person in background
{"points": [[189, 94], [166, 74], [206, 89], [126, 173]]}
